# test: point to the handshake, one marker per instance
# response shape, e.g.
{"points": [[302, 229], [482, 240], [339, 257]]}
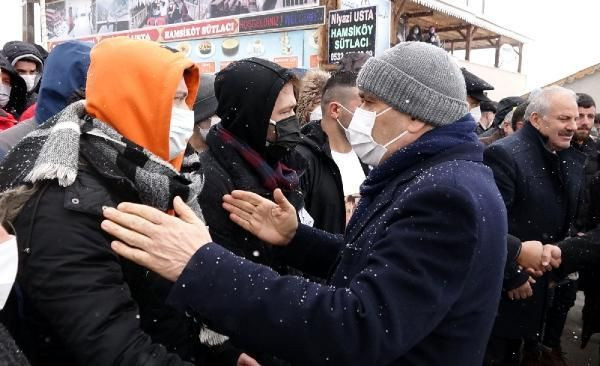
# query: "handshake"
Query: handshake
{"points": [[535, 258]]}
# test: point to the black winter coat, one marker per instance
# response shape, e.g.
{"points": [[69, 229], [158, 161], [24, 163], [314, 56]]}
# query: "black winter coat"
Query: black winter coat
{"points": [[321, 181], [81, 303], [588, 218], [541, 192], [582, 254]]}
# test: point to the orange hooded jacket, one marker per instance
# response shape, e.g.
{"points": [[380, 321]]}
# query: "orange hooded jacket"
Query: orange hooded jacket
{"points": [[131, 85]]}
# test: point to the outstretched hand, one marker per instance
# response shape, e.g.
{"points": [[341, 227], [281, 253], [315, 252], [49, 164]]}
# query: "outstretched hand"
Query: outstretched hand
{"points": [[273, 222], [154, 239]]}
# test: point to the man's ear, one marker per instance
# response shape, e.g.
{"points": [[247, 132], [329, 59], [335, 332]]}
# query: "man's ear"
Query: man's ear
{"points": [[333, 110], [417, 126], [535, 119]]}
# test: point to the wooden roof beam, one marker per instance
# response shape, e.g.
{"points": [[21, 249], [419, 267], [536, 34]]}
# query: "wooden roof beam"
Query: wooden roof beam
{"points": [[419, 14], [451, 29], [488, 38]]}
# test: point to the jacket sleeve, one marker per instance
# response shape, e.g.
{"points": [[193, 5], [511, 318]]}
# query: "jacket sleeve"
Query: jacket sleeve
{"points": [[75, 281], [394, 299], [498, 159], [313, 251], [580, 253]]}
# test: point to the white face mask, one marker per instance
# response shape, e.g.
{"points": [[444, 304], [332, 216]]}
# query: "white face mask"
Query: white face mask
{"points": [[9, 261], [204, 131], [476, 113], [182, 128], [316, 114], [29, 80], [359, 135], [4, 94]]}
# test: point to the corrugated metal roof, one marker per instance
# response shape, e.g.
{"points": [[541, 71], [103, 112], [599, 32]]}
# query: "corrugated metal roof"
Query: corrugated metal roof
{"points": [[471, 18]]}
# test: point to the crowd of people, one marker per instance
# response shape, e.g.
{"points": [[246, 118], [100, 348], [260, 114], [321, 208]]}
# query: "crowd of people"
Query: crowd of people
{"points": [[205, 220]]}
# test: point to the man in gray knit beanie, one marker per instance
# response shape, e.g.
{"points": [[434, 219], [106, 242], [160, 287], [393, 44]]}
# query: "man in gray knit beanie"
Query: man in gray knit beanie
{"points": [[408, 90], [416, 278], [421, 81]]}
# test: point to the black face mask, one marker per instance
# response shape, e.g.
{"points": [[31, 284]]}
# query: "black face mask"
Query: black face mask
{"points": [[288, 136]]}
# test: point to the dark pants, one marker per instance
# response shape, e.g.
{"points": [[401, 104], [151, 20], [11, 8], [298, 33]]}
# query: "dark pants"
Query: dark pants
{"points": [[564, 299], [502, 352], [509, 352]]}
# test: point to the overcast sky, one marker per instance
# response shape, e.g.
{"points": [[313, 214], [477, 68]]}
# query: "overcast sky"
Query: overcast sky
{"points": [[565, 34]]}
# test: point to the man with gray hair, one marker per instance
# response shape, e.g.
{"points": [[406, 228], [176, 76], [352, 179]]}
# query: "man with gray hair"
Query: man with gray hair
{"points": [[539, 176]]}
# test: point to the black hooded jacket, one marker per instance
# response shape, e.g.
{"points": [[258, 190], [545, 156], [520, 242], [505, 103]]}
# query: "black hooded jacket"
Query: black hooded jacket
{"points": [[246, 92], [16, 50], [18, 94]]}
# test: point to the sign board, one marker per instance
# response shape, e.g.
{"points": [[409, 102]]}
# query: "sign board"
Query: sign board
{"points": [[212, 28], [352, 30]]}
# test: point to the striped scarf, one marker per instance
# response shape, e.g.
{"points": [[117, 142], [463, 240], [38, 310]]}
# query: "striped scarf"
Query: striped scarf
{"points": [[279, 177], [53, 151]]}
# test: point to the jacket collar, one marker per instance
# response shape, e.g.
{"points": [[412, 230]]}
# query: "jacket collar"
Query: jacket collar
{"points": [[431, 145], [315, 138], [449, 143]]}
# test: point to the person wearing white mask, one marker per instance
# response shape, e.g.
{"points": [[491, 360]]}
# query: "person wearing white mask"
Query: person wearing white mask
{"points": [[27, 61], [13, 95], [205, 109], [415, 280], [333, 170], [125, 141]]}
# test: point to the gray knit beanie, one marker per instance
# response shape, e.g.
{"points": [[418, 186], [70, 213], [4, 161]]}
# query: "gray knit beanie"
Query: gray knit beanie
{"points": [[417, 79]]}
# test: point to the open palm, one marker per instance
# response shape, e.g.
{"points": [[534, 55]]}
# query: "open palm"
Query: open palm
{"points": [[273, 222]]}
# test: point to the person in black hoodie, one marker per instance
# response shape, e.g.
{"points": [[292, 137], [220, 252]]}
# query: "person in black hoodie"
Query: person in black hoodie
{"points": [[258, 129], [27, 60], [13, 93], [255, 100], [324, 183]]}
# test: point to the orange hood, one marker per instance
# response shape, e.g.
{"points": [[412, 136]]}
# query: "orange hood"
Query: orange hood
{"points": [[131, 85]]}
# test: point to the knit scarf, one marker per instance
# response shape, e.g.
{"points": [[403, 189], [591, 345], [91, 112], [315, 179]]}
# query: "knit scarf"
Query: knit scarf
{"points": [[53, 151], [278, 177]]}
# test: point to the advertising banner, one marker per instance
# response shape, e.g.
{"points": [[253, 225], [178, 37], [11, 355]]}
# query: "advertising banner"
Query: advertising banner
{"points": [[384, 15], [352, 30], [212, 55], [211, 28], [81, 18]]}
